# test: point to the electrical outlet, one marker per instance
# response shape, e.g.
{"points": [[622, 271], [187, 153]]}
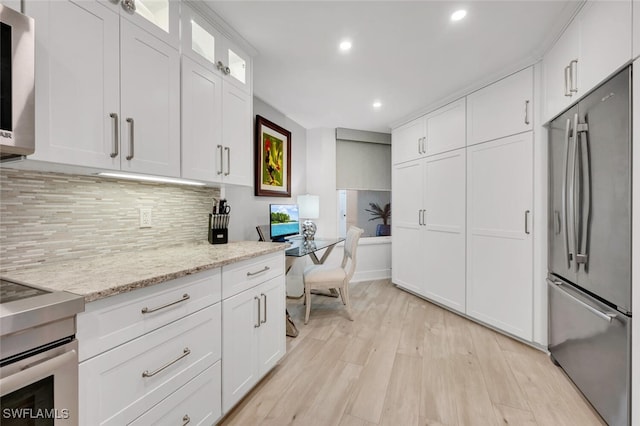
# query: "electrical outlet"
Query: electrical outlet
{"points": [[145, 218]]}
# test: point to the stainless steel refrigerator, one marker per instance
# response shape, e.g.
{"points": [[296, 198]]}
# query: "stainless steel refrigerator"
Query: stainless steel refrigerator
{"points": [[589, 233]]}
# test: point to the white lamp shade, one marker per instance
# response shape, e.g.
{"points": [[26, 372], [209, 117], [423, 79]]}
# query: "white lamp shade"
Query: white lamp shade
{"points": [[309, 206]]}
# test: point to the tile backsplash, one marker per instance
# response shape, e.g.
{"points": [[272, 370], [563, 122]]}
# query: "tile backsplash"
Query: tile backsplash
{"points": [[47, 217]]}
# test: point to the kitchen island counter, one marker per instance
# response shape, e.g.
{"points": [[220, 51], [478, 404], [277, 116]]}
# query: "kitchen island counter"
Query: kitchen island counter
{"points": [[99, 277]]}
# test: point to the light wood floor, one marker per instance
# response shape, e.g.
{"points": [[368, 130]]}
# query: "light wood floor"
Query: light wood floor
{"points": [[404, 361]]}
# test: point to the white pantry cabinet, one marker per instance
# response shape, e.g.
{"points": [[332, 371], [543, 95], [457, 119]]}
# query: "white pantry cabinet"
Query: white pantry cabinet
{"points": [[429, 228], [107, 91], [439, 131], [217, 107], [501, 109], [499, 234], [594, 45]]}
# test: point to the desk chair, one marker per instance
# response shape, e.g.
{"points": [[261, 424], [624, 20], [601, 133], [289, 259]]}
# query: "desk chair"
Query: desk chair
{"points": [[328, 277]]}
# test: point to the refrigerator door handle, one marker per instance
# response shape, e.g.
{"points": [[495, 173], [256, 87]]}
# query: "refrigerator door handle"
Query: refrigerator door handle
{"points": [[565, 186], [582, 130], [575, 193], [609, 317]]}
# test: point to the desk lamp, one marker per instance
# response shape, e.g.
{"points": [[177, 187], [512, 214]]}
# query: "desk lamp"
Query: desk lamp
{"points": [[309, 206]]}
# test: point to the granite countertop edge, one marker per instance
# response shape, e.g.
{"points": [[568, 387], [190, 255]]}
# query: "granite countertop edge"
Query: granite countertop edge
{"points": [[100, 278]]}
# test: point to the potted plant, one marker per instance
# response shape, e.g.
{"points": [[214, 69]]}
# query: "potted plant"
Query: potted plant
{"points": [[377, 212]]}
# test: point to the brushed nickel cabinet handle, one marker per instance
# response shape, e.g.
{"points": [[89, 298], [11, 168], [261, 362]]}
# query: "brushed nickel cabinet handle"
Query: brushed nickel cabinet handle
{"points": [[251, 274], [146, 310], [573, 88], [526, 222], [265, 308], [220, 156], [526, 112], [186, 420], [567, 87], [185, 352], [256, 298], [226, 148], [114, 152], [131, 135]]}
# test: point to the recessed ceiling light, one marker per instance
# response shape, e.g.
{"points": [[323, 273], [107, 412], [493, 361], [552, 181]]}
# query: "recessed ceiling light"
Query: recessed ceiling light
{"points": [[458, 15], [377, 104], [345, 45]]}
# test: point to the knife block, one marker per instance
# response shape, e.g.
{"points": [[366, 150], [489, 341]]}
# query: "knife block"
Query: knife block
{"points": [[218, 231]]}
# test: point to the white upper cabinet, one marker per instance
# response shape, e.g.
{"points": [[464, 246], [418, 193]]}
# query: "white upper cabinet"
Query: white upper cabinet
{"points": [[107, 91], [203, 43], [504, 108], [216, 107], [594, 45], [445, 128], [439, 131], [158, 17], [77, 83], [636, 28], [150, 103]]}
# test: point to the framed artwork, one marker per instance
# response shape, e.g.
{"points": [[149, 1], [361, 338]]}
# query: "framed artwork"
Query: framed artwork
{"points": [[273, 159]]}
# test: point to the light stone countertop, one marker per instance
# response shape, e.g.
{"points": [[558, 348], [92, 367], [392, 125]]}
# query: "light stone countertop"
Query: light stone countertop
{"points": [[97, 278]]}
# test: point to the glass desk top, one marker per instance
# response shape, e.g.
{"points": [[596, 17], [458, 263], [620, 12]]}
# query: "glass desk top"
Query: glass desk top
{"points": [[300, 248]]}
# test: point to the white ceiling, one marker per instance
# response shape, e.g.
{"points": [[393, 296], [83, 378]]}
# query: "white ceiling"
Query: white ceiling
{"points": [[408, 55]]}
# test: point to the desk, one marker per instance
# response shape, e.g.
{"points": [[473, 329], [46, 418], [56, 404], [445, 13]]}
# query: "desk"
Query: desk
{"points": [[301, 248]]}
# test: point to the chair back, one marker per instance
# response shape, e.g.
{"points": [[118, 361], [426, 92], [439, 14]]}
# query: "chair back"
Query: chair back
{"points": [[350, 248]]}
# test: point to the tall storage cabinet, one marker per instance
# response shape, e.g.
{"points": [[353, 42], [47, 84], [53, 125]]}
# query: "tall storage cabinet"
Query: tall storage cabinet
{"points": [[464, 216], [499, 237]]}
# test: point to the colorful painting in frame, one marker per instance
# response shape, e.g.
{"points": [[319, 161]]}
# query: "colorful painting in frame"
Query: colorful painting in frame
{"points": [[273, 159]]}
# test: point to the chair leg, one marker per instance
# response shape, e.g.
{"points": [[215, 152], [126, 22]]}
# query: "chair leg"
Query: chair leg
{"points": [[345, 294], [344, 302], [307, 298]]}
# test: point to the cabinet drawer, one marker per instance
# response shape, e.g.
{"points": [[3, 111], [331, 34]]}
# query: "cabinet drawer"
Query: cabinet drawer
{"points": [[121, 384], [243, 275], [197, 402], [109, 322]]}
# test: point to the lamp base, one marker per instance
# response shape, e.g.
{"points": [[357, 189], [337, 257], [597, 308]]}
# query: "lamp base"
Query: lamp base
{"points": [[308, 230]]}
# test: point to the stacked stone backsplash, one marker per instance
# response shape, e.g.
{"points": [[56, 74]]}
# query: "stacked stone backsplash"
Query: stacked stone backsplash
{"points": [[49, 217]]}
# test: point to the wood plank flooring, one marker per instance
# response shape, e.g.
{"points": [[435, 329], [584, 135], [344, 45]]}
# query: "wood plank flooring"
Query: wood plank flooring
{"points": [[404, 361]]}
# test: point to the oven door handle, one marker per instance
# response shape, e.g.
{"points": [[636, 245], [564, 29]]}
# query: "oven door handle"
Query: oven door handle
{"points": [[35, 372]]}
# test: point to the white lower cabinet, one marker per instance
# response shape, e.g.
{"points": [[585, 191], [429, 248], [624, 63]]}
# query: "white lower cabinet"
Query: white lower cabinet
{"points": [[253, 337], [123, 383], [196, 403], [499, 238]]}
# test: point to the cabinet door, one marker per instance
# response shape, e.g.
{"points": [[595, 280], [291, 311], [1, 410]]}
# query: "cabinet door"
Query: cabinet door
{"points": [[406, 141], [605, 41], [239, 346], [236, 135], [443, 256], [502, 109], [445, 128], [499, 249], [161, 18], [201, 122], [272, 341], [150, 88], [239, 63], [557, 94], [636, 28], [77, 82], [407, 268]]}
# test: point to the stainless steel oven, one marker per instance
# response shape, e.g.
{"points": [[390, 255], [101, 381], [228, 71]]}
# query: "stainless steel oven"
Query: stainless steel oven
{"points": [[17, 84], [39, 355]]}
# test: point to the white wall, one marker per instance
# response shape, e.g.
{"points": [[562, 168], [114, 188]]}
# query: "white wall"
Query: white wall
{"points": [[248, 211], [321, 178]]}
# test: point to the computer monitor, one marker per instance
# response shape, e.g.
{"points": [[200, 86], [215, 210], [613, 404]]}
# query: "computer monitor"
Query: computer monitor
{"points": [[284, 220]]}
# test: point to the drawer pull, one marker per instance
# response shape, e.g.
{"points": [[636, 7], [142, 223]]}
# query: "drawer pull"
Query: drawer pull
{"points": [[146, 310], [186, 420], [185, 352], [251, 274]]}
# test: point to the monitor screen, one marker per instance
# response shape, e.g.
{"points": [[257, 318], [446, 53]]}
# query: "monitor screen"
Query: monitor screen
{"points": [[284, 221]]}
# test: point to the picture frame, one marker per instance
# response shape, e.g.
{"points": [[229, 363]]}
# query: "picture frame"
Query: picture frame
{"points": [[272, 159]]}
